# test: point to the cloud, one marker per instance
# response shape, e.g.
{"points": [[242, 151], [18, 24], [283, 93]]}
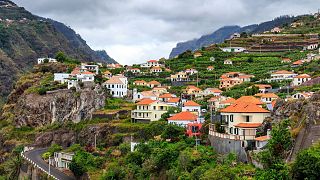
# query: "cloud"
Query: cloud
{"points": [[133, 31]]}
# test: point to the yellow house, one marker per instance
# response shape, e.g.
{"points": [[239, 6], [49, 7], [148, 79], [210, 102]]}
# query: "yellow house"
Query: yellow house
{"points": [[149, 110]]}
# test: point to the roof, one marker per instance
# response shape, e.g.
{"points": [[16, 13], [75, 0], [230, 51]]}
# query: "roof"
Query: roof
{"points": [[174, 100], [140, 81], [114, 80], [269, 95], [152, 60], [248, 125], [210, 67], [263, 86], [146, 102], [88, 73], [228, 101], [262, 138], [303, 76], [184, 116], [156, 68], [191, 103], [148, 93], [249, 99], [244, 108], [283, 72], [75, 71], [166, 95], [154, 82], [193, 88], [299, 62], [107, 72], [214, 90]]}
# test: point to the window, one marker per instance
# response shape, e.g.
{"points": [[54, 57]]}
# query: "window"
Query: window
{"points": [[231, 118], [247, 118], [236, 131], [231, 130], [155, 116], [154, 108]]}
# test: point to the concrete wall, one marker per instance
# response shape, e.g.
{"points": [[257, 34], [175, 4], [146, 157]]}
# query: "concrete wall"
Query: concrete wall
{"points": [[226, 146]]}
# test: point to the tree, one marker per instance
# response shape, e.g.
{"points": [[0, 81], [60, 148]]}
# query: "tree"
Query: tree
{"points": [[61, 57], [244, 35], [78, 169], [172, 132]]}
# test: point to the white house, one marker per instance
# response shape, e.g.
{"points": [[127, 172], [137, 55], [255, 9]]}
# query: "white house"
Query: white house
{"points": [[227, 62], [135, 70], [118, 86], [282, 75], [183, 119], [263, 88], [180, 76], [156, 69], [149, 110], [268, 97], [91, 68], [212, 91], [150, 63], [298, 80], [63, 159], [233, 49], [262, 141], [73, 82], [137, 96], [85, 76], [175, 101], [192, 106], [61, 77], [191, 71], [50, 60], [305, 95]]}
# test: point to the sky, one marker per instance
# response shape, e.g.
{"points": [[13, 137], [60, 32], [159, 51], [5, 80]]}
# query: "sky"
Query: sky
{"points": [[133, 31]]}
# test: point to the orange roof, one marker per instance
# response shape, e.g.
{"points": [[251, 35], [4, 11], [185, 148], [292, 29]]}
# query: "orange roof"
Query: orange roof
{"points": [[191, 103], [263, 86], [88, 73], [286, 59], [154, 82], [146, 102], [155, 68], [269, 95], [283, 72], [182, 116], [210, 67], [228, 101], [303, 76], [152, 61], [244, 108], [248, 125], [262, 138], [215, 90], [174, 100], [140, 81], [75, 71], [107, 72], [258, 95], [249, 99], [193, 88], [299, 62], [167, 95], [114, 80]]}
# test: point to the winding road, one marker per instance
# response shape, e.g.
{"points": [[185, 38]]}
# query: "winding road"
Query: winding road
{"points": [[35, 157]]}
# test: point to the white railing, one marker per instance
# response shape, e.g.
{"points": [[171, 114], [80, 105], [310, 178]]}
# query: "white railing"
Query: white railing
{"points": [[26, 149]]}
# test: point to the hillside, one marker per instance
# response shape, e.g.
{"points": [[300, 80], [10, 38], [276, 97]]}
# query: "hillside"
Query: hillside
{"points": [[225, 32], [24, 37]]}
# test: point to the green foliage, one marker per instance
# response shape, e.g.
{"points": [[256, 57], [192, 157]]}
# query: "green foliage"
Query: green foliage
{"points": [[77, 168], [61, 57], [54, 148], [172, 132], [307, 164]]}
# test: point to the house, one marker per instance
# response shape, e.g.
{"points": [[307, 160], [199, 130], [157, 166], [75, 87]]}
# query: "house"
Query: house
{"points": [[140, 83], [191, 71], [91, 68], [268, 97], [193, 90], [153, 84], [222, 103], [286, 60], [61, 77], [227, 62], [166, 97], [150, 63], [262, 141], [194, 129], [134, 70], [149, 110], [192, 106], [107, 74], [118, 86], [85, 76], [174, 101], [311, 46], [231, 79], [233, 49], [156, 69], [197, 54], [243, 119], [212, 91], [305, 95], [137, 96], [249, 100], [297, 63], [210, 68], [49, 60], [180, 76], [282, 75], [114, 66], [276, 30], [73, 82], [298, 80], [235, 36], [263, 88], [62, 159], [160, 90], [183, 119]]}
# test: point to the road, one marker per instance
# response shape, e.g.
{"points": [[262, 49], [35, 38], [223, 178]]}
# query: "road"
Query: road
{"points": [[35, 156]]}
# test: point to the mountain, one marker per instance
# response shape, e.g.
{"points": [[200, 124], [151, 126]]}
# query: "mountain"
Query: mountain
{"points": [[224, 33], [24, 37]]}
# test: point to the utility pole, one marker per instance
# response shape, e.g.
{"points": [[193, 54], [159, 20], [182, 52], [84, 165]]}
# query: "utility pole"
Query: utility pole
{"points": [[95, 141], [49, 167]]}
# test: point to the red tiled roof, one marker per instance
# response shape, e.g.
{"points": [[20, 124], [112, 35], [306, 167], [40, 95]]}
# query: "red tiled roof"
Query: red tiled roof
{"points": [[248, 125], [88, 73], [269, 95], [228, 101], [184, 116], [114, 80], [283, 72], [154, 82], [263, 86], [174, 100], [140, 81], [303, 76], [299, 62], [146, 102], [191, 103], [262, 138], [244, 108], [249, 99], [167, 95], [152, 61]]}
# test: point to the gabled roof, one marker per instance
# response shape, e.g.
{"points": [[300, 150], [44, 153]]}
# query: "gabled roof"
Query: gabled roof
{"points": [[148, 93], [248, 125], [114, 80], [166, 95], [184, 116], [269, 95], [228, 101], [249, 99], [191, 103], [152, 60], [174, 100], [154, 82], [193, 88], [140, 81], [262, 138], [263, 86], [244, 108], [146, 102], [299, 62], [214, 90], [283, 72], [303, 76], [210, 67]]}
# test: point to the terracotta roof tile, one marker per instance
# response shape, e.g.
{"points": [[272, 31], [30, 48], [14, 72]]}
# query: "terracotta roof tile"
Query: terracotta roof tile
{"points": [[244, 108], [174, 100], [269, 95], [262, 138], [184, 116], [303, 76], [283, 72], [145, 102], [166, 95], [248, 125], [154, 82], [249, 99], [191, 103]]}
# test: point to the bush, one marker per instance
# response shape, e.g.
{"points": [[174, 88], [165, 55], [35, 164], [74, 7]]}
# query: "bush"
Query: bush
{"points": [[42, 91]]}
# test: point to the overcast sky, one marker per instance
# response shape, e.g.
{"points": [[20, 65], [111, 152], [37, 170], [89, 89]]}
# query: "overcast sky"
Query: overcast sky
{"points": [[133, 31]]}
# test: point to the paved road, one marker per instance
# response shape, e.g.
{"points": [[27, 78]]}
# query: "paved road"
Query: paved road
{"points": [[35, 156]]}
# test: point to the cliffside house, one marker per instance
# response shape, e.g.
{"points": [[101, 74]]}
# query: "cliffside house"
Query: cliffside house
{"points": [[107, 74], [197, 54], [210, 68], [90, 68], [298, 80], [62, 159], [282, 75], [153, 84], [118, 86], [302, 95], [149, 110], [49, 60], [227, 62], [150, 63], [233, 49], [61, 77], [183, 119], [191, 106], [156, 69], [180, 76]]}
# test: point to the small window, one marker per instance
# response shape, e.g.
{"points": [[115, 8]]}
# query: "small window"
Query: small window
{"points": [[231, 118]]}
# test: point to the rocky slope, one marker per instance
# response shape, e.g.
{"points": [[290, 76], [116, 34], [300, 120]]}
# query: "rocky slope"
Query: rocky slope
{"points": [[24, 37], [225, 32]]}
